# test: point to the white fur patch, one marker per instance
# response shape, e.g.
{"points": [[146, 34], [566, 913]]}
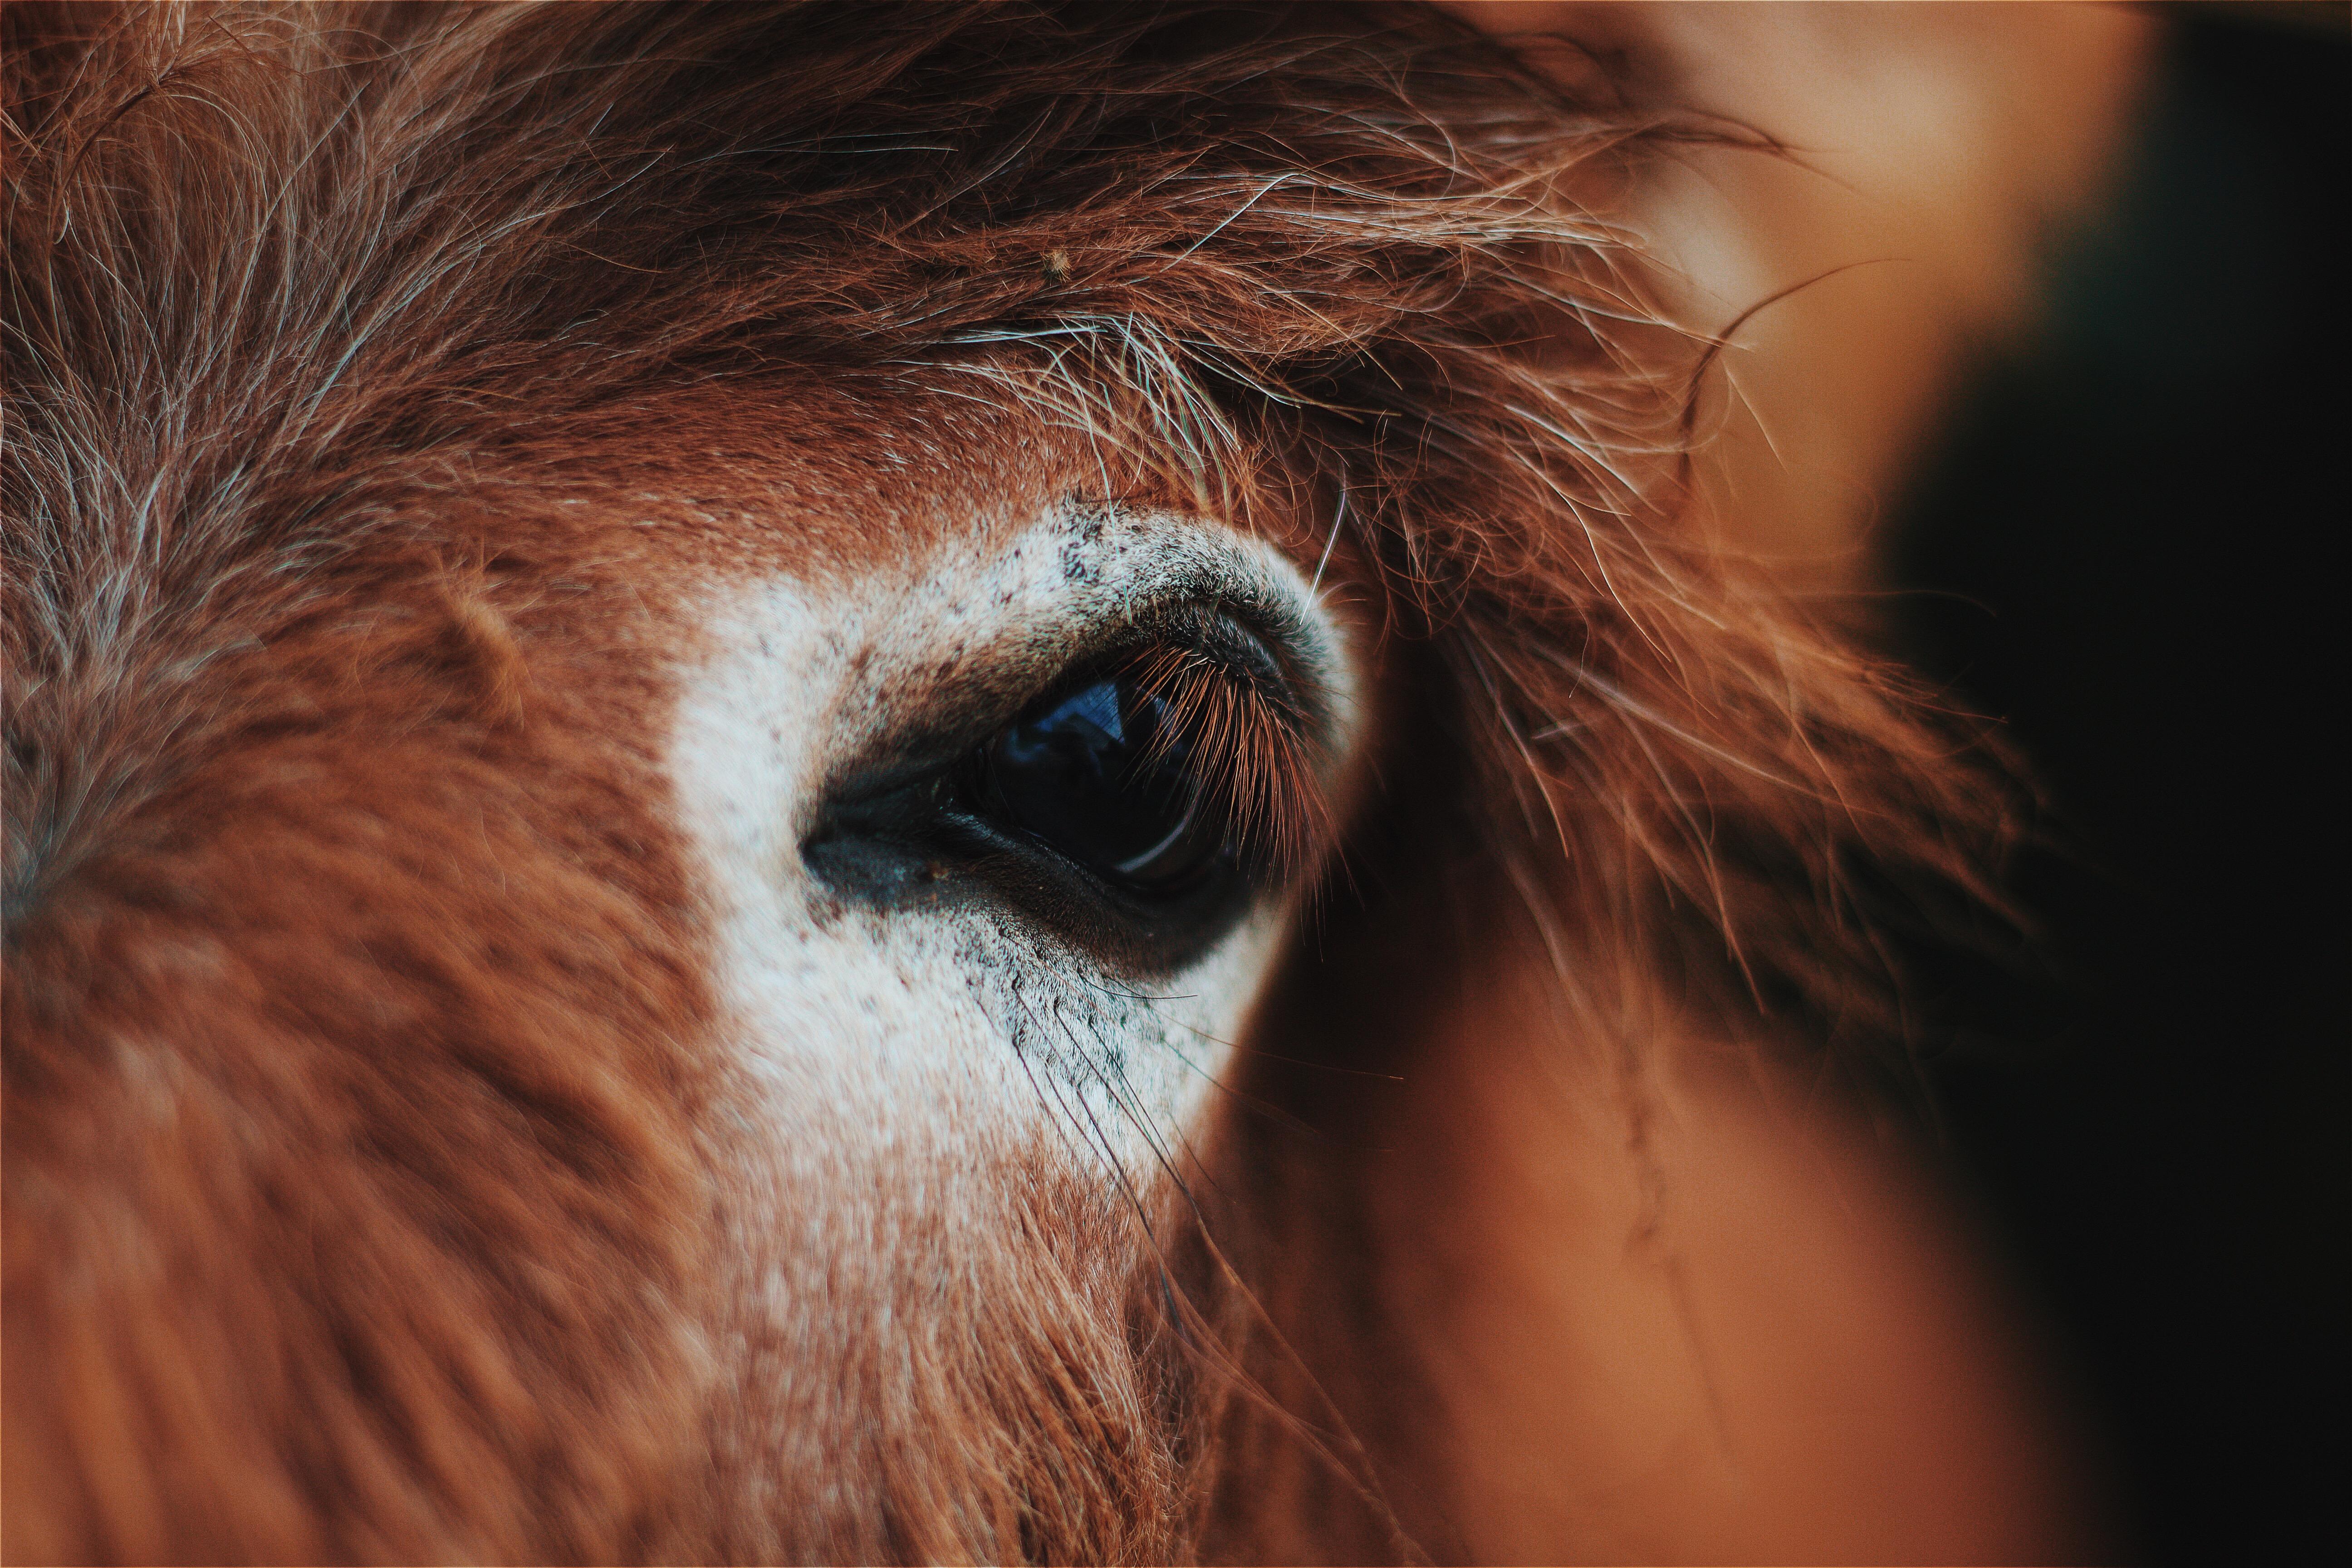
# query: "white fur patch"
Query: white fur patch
{"points": [[897, 1051]]}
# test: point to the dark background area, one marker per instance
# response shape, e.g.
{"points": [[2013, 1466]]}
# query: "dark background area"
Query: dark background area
{"points": [[2129, 548]]}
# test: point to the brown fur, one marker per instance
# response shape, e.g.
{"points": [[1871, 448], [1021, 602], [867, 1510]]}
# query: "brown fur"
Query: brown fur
{"points": [[362, 1199]]}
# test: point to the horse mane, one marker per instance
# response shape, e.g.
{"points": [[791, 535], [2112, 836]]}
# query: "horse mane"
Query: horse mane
{"points": [[1345, 276]]}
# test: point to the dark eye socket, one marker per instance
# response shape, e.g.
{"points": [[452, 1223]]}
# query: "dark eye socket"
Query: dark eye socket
{"points": [[1105, 773]]}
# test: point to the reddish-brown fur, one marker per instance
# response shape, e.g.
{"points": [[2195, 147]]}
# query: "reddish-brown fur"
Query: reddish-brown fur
{"points": [[362, 1199]]}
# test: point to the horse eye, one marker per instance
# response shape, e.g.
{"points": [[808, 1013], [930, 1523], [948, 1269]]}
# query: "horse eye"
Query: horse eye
{"points": [[1105, 775]]}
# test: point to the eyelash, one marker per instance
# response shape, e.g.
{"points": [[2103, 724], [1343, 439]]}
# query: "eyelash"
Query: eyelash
{"points": [[1042, 814], [1254, 736]]}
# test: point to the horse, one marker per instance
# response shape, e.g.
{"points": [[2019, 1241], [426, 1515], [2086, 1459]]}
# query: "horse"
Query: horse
{"points": [[936, 782]]}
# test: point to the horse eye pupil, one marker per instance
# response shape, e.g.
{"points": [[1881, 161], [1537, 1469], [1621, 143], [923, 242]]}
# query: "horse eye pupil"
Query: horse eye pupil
{"points": [[1101, 773]]}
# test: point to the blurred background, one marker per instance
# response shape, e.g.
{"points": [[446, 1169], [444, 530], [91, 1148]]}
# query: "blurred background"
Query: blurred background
{"points": [[2125, 541], [2047, 397]]}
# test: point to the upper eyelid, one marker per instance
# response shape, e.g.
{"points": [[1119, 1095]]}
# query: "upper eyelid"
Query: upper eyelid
{"points": [[955, 716], [990, 682]]}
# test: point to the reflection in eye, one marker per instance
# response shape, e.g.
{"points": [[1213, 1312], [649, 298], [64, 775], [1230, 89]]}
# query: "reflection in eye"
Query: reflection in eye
{"points": [[1105, 774]]}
